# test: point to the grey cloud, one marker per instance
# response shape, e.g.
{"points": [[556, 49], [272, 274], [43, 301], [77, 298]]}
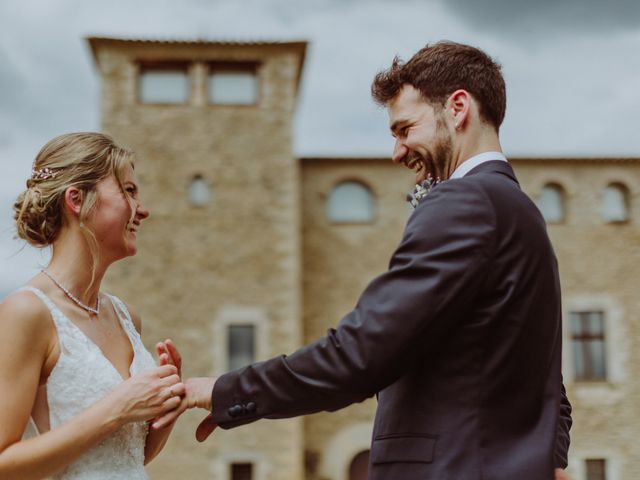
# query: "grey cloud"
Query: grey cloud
{"points": [[552, 16], [12, 81]]}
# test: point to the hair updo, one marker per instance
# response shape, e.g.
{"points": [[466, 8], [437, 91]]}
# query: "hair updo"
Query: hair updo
{"points": [[78, 160]]}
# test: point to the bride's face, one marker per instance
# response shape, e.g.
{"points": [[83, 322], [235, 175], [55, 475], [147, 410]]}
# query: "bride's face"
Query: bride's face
{"points": [[117, 216]]}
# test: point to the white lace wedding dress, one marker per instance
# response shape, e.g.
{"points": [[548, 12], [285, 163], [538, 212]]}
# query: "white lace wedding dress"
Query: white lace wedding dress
{"points": [[81, 377]]}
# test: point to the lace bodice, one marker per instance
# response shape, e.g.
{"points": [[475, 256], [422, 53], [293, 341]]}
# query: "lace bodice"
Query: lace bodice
{"points": [[81, 377]]}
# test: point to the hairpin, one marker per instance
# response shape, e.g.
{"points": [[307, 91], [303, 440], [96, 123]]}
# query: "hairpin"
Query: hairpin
{"points": [[45, 173]]}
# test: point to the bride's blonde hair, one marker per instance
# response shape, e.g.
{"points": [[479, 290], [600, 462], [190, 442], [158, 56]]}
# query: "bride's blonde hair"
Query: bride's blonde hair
{"points": [[78, 160]]}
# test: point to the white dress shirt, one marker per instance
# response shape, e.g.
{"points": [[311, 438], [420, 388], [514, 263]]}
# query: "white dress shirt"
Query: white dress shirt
{"points": [[471, 163]]}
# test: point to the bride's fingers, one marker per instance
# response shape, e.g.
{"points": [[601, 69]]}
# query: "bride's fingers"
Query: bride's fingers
{"points": [[170, 381], [176, 407], [169, 408], [206, 428], [169, 355], [162, 372], [173, 352], [163, 359], [177, 390], [160, 348]]}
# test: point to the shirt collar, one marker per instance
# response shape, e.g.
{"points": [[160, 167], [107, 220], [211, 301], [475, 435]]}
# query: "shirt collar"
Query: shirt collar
{"points": [[471, 163]]}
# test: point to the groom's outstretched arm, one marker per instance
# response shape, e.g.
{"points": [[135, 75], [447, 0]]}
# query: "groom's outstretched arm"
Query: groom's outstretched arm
{"points": [[437, 269], [562, 435]]}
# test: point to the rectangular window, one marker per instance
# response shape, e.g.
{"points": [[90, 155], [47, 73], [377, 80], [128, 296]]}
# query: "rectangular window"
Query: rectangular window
{"points": [[596, 469], [163, 82], [241, 345], [241, 471], [587, 335], [233, 83]]}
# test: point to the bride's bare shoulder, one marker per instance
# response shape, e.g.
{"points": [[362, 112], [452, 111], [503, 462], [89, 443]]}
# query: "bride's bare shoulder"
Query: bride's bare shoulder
{"points": [[23, 311]]}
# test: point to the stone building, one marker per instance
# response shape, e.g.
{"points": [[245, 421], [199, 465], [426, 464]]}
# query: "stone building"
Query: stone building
{"points": [[250, 252]]}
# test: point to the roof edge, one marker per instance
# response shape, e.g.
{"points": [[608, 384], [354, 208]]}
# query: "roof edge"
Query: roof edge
{"points": [[96, 42], [197, 41]]}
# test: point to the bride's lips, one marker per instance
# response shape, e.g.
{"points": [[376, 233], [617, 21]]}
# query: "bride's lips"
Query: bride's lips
{"points": [[133, 227]]}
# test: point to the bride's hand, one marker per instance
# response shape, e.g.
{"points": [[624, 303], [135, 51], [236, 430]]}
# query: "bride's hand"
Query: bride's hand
{"points": [[197, 394], [147, 395], [168, 354]]}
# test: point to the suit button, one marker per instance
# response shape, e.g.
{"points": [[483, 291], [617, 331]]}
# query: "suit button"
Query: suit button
{"points": [[251, 407], [235, 411]]}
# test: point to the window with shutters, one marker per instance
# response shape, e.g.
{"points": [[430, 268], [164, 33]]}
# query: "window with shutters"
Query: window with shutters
{"points": [[596, 469], [240, 345], [588, 344], [241, 471]]}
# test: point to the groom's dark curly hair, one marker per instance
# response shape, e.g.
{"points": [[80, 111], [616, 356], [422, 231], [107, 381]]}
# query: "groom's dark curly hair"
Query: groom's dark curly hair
{"points": [[440, 69]]}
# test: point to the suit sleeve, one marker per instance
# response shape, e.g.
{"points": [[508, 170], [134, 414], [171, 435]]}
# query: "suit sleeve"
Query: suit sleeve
{"points": [[562, 435], [436, 270]]}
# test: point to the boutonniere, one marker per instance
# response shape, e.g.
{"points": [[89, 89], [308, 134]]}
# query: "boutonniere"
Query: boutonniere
{"points": [[422, 190]]}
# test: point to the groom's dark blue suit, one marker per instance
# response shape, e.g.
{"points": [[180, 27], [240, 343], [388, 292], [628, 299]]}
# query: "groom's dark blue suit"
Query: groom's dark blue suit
{"points": [[460, 339]]}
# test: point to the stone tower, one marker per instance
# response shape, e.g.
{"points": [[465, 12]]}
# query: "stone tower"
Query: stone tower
{"points": [[218, 268]]}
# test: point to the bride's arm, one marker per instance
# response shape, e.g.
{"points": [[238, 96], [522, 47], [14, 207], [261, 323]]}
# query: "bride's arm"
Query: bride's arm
{"points": [[168, 355], [23, 351]]}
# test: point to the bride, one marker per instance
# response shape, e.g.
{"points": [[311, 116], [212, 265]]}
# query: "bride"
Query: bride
{"points": [[73, 368]]}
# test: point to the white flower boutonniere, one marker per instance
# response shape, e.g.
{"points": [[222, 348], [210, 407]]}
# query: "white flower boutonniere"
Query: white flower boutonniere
{"points": [[422, 190]]}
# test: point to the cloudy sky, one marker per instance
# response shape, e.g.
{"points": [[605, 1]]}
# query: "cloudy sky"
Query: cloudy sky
{"points": [[572, 69]]}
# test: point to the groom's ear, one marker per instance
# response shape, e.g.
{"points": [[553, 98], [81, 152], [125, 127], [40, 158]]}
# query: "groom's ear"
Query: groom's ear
{"points": [[458, 108]]}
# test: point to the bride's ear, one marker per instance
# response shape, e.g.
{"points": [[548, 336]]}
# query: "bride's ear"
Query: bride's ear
{"points": [[73, 200]]}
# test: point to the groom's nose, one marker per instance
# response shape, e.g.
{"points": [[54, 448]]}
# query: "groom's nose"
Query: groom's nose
{"points": [[400, 152]]}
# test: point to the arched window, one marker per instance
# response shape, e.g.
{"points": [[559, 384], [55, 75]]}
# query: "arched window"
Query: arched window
{"points": [[199, 191], [615, 203], [551, 203], [351, 202]]}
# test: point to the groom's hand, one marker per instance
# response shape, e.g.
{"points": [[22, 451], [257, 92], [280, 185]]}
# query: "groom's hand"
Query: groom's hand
{"points": [[197, 395], [206, 428], [198, 392], [561, 474]]}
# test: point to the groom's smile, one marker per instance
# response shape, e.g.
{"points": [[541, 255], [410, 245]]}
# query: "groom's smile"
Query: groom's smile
{"points": [[417, 163], [422, 141]]}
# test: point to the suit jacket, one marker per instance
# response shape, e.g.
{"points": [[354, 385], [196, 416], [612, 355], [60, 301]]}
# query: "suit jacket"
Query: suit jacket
{"points": [[460, 339]]}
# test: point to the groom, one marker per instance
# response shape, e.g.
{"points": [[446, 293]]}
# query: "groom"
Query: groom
{"points": [[461, 338]]}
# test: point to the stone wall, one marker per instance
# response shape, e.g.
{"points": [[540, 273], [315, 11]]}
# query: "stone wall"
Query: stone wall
{"points": [[598, 264]]}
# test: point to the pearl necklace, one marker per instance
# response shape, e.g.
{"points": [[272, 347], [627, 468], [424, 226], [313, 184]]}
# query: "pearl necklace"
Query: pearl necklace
{"points": [[73, 297]]}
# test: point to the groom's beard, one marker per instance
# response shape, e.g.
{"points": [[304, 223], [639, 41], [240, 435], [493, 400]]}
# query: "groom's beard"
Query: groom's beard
{"points": [[439, 156]]}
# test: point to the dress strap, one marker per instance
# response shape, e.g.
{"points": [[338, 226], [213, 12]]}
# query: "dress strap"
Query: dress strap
{"points": [[125, 319]]}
